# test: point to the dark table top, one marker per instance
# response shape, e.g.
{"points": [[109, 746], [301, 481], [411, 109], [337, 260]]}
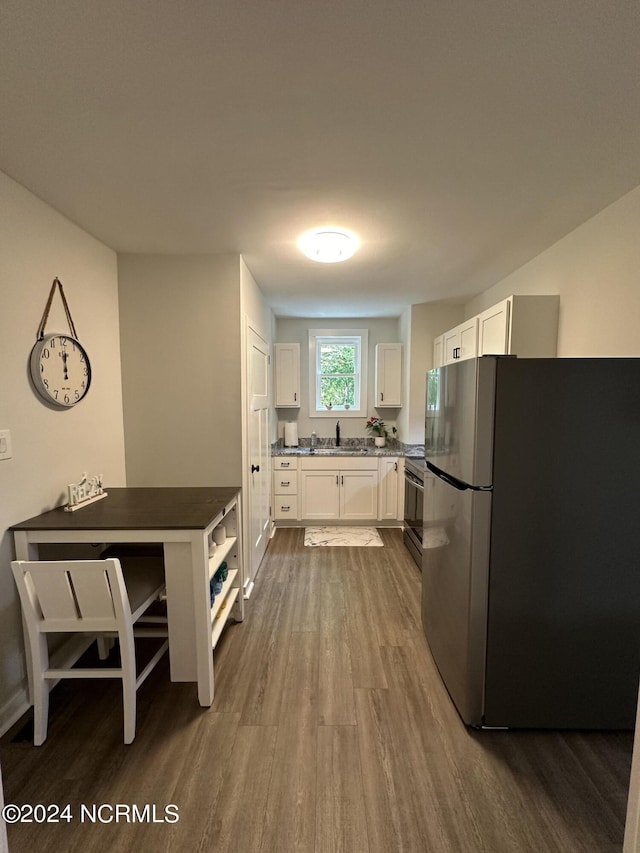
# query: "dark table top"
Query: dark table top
{"points": [[156, 508]]}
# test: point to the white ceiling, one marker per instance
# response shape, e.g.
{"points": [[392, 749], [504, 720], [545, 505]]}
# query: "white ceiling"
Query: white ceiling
{"points": [[458, 138]]}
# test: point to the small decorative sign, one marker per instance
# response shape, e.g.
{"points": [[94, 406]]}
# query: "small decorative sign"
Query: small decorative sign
{"points": [[85, 492]]}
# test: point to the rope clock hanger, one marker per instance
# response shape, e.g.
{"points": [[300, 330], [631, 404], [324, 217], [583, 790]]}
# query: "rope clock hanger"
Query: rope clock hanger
{"points": [[59, 365]]}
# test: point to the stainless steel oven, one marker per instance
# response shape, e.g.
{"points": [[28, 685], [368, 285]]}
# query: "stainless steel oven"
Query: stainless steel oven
{"points": [[413, 502]]}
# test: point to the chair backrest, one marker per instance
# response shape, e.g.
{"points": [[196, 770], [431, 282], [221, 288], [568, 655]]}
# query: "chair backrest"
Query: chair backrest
{"points": [[72, 595]]}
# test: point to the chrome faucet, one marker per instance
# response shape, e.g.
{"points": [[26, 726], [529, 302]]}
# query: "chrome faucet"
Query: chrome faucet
{"points": [[338, 434]]}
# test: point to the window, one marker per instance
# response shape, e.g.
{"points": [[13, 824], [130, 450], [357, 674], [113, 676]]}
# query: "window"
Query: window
{"points": [[338, 372], [433, 391]]}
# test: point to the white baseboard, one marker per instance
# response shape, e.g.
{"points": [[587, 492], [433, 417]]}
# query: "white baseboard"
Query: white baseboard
{"points": [[12, 710]]}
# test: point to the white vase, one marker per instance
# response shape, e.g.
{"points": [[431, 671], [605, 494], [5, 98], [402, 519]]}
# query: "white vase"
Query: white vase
{"points": [[380, 441]]}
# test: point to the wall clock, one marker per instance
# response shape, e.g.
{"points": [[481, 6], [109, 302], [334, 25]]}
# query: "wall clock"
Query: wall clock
{"points": [[60, 370], [59, 365]]}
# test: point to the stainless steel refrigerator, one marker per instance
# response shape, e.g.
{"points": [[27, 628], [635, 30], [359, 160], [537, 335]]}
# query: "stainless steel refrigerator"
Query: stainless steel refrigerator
{"points": [[531, 540]]}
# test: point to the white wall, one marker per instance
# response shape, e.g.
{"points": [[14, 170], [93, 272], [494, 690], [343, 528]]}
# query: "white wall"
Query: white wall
{"points": [[420, 325], [51, 448], [596, 271], [180, 327], [296, 329]]}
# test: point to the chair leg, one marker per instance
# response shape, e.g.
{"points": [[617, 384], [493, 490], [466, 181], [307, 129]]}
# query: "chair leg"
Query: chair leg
{"points": [[128, 692], [40, 657], [105, 644]]}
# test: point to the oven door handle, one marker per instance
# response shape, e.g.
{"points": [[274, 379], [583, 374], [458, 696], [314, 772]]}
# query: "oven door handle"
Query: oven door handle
{"points": [[418, 485], [455, 482]]}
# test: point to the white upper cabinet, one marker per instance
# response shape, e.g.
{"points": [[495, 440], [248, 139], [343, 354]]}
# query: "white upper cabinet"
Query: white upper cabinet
{"points": [[388, 375], [526, 326], [438, 351], [287, 375], [493, 329], [461, 342]]}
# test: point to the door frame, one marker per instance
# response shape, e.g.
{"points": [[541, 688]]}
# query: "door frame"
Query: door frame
{"points": [[248, 324]]}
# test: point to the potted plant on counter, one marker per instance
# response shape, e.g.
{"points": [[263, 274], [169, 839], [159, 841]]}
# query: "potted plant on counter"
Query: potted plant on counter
{"points": [[378, 430]]}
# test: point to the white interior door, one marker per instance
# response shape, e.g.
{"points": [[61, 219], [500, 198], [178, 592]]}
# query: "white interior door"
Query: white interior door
{"points": [[259, 473]]}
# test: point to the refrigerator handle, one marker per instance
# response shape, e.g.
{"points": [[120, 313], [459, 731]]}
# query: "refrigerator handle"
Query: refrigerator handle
{"points": [[454, 481]]}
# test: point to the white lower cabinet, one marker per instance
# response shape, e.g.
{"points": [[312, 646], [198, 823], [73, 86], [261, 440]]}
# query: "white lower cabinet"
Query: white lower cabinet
{"points": [[359, 495], [320, 494], [390, 495], [285, 488], [338, 488], [329, 492]]}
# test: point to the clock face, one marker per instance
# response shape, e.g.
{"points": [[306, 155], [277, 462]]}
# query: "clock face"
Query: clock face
{"points": [[60, 370]]}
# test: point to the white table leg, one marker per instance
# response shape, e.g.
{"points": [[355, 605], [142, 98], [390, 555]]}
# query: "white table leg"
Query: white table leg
{"points": [[189, 614], [202, 611], [180, 611]]}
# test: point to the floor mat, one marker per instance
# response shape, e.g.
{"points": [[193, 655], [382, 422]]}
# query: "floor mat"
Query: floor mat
{"points": [[351, 536]]}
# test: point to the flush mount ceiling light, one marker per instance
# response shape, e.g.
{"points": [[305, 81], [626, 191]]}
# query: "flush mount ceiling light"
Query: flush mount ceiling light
{"points": [[329, 245]]}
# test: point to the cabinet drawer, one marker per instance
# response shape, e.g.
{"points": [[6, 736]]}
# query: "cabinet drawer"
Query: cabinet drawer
{"points": [[339, 463], [288, 463], [285, 507], [285, 482]]}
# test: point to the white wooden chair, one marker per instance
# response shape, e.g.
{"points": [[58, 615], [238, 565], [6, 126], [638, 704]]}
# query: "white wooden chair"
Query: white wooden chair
{"points": [[89, 599]]}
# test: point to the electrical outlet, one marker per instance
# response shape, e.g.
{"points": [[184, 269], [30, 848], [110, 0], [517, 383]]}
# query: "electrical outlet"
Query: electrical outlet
{"points": [[5, 444]]}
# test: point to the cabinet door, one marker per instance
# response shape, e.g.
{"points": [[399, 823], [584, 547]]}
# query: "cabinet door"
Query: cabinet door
{"points": [[461, 342], [287, 375], [388, 375], [320, 494], [493, 330], [388, 488], [450, 345], [468, 339], [438, 348], [358, 494]]}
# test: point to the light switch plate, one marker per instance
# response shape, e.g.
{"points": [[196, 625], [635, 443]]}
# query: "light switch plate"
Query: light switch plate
{"points": [[5, 444]]}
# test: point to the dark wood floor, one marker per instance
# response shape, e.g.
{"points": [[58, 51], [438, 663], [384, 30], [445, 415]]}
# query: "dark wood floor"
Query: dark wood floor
{"points": [[330, 731]]}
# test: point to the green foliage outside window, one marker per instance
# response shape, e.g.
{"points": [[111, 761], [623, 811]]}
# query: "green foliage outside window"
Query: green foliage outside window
{"points": [[337, 369], [433, 392]]}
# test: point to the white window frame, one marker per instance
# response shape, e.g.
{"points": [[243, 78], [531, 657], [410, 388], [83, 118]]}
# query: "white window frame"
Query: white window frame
{"points": [[361, 411]]}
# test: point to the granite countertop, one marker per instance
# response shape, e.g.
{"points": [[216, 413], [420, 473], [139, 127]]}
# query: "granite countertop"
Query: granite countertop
{"points": [[349, 448]]}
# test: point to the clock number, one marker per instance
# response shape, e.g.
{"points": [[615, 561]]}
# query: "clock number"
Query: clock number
{"points": [[66, 398], [77, 393], [52, 343], [45, 353], [45, 382]]}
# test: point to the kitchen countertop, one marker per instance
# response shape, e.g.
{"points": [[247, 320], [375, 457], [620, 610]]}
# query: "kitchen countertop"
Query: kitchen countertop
{"points": [[324, 451]]}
